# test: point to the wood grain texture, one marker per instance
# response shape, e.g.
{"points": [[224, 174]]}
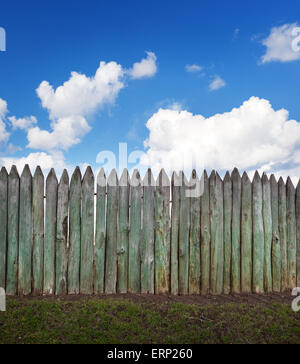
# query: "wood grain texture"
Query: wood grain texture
{"points": [[87, 233], [134, 267], [75, 233], [246, 235], [291, 233], [3, 224], [283, 233], [61, 250], [298, 231], [148, 234], [175, 216], [25, 233], [267, 222], [38, 231], [111, 233], [227, 232], [276, 253], [99, 268], [50, 233]]}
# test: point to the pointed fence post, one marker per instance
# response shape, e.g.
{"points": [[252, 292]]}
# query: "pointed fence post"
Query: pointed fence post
{"points": [[112, 233], [87, 233], [291, 233], [276, 254], [74, 234], [227, 232], [3, 224], [25, 233], [246, 235], [175, 216], [134, 265], [283, 233], [99, 269], [62, 234], [123, 233], [50, 233], [298, 231], [267, 222], [148, 234], [38, 231]]}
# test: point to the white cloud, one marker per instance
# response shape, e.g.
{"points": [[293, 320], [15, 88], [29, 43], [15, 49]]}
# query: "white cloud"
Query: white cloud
{"points": [[251, 136], [4, 134], [22, 123], [12, 149], [279, 45], [193, 68], [146, 68], [217, 83]]}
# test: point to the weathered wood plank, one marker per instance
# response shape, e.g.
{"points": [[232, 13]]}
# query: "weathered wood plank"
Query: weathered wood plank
{"points": [[267, 222], [291, 232], [194, 259], [62, 234], [282, 232], [148, 237], [246, 235], [25, 233], [87, 233], [100, 233], [162, 234], [217, 239], [236, 230], [75, 230], [134, 265], [123, 234], [3, 224], [184, 237], [227, 232], [205, 236], [258, 235], [50, 233], [298, 231], [276, 254], [111, 233], [38, 231], [175, 216]]}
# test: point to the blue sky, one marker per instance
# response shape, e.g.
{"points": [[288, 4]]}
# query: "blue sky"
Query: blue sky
{"points": [[224, 41]]}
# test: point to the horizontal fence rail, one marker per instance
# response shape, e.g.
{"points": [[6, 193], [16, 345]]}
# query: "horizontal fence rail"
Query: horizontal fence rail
{"points": [[204, 235]]}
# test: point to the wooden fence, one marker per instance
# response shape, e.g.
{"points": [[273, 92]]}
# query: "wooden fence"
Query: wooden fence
{"points": [[147, 236]]}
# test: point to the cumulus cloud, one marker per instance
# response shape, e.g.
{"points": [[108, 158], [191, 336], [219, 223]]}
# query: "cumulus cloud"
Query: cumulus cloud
{"points": [[217, 83], [252, 136], [193, 68], [279, 44], [4, 134], [146, 68], [22, 123]]}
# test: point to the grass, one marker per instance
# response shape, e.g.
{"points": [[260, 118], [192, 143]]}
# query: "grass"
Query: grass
{"points": [[121, 321]]}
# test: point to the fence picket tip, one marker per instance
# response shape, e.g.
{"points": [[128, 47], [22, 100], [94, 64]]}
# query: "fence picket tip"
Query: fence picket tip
{"points": [[256, 176], [227, 177], [163, 179], [113, 178], [149, 180], [289, 183], [3, 171], [38, 172], [14, 171]]}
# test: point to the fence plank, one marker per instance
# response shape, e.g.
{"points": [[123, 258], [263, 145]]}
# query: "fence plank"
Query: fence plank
{"points": [[87, 233], [205, 236], [217, 239], [282, 232], [276, 254], [258, 236], [194, 259], [13, 231], [3, 224], [50, 233], [227, 232], [62, 234], [184, 236], [123, 234], [175, 216], [267, 222], [134, 267], [100, 233], [298, 231], [148, 237], [291, 233], [38, 231], [112, 233], [25, 233], [236, 230], [74, 239], [246, 235]]}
